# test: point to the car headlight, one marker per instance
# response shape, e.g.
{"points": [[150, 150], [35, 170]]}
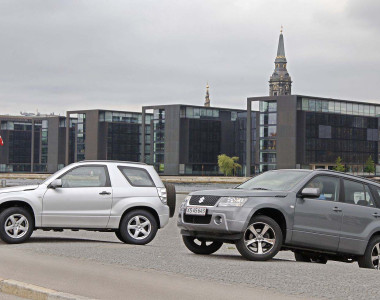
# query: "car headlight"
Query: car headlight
{"points": [[232, 201], [185, 202]]}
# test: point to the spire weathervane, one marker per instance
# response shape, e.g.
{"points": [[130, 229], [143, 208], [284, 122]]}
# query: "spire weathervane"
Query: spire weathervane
{"points": [[282, 28]]}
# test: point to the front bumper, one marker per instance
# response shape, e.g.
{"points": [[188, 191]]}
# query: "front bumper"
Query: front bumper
{"points": [[218, 221]]}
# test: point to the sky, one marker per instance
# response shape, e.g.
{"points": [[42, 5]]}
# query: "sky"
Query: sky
{"points": [[121, 54]]}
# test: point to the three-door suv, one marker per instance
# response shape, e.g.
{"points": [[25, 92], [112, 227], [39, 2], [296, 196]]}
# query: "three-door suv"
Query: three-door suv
{"points": [[122, 197], [320, 215]]}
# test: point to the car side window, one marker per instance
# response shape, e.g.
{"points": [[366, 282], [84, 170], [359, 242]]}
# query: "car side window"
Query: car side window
{"points": [[136, 176], [86, 176], [357, 193], [328, 186]]}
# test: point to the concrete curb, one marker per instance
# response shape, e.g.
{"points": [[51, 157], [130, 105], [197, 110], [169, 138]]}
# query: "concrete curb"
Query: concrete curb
{"points": [[30, 291]]}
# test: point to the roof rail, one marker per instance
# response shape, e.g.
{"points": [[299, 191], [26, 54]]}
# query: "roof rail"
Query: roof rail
{"points": [[344, 173], [113, 161]]}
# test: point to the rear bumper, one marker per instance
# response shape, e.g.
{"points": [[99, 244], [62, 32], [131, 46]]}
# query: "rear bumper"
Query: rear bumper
{"points": [[164, 216]]}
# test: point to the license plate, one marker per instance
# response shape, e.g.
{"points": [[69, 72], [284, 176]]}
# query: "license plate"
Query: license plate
{"points": [[196, 211]]}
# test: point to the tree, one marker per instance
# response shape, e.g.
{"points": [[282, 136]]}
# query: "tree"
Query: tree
{"points": [[369, 165], [228, 165], [339, 165]]}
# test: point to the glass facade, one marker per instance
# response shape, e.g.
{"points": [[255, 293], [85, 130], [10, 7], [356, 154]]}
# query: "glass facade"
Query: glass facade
{"points": [[124, 135], [339, 107], [241, 141], [268, 134], [159, 140], [329, 136], [44, 142], [26, 144], [198, 112]]}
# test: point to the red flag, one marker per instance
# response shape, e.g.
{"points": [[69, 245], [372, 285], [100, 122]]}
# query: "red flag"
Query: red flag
{"points": [[1, 141]]}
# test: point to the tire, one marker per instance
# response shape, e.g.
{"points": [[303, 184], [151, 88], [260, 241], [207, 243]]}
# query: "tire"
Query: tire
{"points": [[132, 229], [269, 243], [301, 257], [372, 250], [201, 246], [171, 198], [19, 217]]}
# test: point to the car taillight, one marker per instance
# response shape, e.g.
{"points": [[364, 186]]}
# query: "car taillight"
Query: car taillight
{"points": [[162, 194]]}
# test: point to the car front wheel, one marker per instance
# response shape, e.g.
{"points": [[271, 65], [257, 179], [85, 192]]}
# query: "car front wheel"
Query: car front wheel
{"points": [[261, 240], [137, 227], [201, 246], [16, 225], [371, 257]]}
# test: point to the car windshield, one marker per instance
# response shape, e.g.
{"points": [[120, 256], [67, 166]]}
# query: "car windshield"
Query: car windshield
{"points": [[273, 181]]}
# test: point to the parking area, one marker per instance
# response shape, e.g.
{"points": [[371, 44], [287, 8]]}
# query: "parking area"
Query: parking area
{"points": [[167, 254]]}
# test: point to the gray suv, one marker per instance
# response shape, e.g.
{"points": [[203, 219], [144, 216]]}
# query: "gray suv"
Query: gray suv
{"points": [[126, 198], [320, 215]]}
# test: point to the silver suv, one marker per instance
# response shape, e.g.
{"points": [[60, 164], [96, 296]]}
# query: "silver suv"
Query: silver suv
{"points": [[320, 215], [114, 196]]}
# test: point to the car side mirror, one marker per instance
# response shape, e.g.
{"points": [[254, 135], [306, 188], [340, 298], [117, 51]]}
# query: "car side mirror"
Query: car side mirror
{"points": [[56, 183], [311, 192]]}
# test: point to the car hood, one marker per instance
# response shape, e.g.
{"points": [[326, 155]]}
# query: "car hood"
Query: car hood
{"points": [[18, 189], [240, 193]]}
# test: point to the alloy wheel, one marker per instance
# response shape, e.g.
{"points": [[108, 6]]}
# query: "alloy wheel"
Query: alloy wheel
{"points": [[259, 238], [376, 256], [16, 226], [139, 227]]}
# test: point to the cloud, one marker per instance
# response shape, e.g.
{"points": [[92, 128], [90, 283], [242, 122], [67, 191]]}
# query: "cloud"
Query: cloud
{"points": [[64, 55]]}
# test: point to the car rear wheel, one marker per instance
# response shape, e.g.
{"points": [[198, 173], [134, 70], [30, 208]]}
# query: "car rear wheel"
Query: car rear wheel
{"points": [[371, 257], [138, 227], [16, 225], [201, 246], [261, 240], [302, 257]]}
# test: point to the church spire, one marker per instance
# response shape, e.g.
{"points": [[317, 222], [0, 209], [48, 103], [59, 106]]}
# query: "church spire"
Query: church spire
{"points": [[280, 82], [281, 47], [207, 98]]}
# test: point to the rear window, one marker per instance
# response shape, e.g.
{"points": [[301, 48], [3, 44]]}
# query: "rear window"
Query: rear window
{"points": [[137, 176]]}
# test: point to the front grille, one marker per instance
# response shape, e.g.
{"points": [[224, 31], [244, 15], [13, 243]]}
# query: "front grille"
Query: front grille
{"points": [[197, 219], [204, 200]]}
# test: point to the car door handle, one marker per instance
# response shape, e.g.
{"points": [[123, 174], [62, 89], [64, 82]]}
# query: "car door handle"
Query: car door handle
{"points": [[337, 209], [376, 215], [104, 193]]}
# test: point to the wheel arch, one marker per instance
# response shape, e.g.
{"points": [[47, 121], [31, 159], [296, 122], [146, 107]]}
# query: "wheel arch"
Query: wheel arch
{"points": [[18, 203], [147, 208], [276, 215]]}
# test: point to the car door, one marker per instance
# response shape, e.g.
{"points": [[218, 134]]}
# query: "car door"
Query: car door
{"points": [[360, 217], [317, 221], [83, 201]]}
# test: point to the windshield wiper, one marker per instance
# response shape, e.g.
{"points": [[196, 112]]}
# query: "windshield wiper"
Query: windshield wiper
{"points": [[261, 189]]}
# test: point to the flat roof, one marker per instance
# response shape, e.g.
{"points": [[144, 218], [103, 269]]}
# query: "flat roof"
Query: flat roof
{"points": [[311, 97], [190, 105]]}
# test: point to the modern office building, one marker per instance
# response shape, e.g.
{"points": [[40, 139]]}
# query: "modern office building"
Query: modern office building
{"points": [[186, 139], [32, 143], [307, 132], [106, 134]]}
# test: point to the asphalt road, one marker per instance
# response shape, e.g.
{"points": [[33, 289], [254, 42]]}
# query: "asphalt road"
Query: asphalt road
{"points": [[8, 297], [168, 256]]}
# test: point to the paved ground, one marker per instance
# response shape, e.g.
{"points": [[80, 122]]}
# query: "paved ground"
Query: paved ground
{"points": [[168, 256], [8, 297]]}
